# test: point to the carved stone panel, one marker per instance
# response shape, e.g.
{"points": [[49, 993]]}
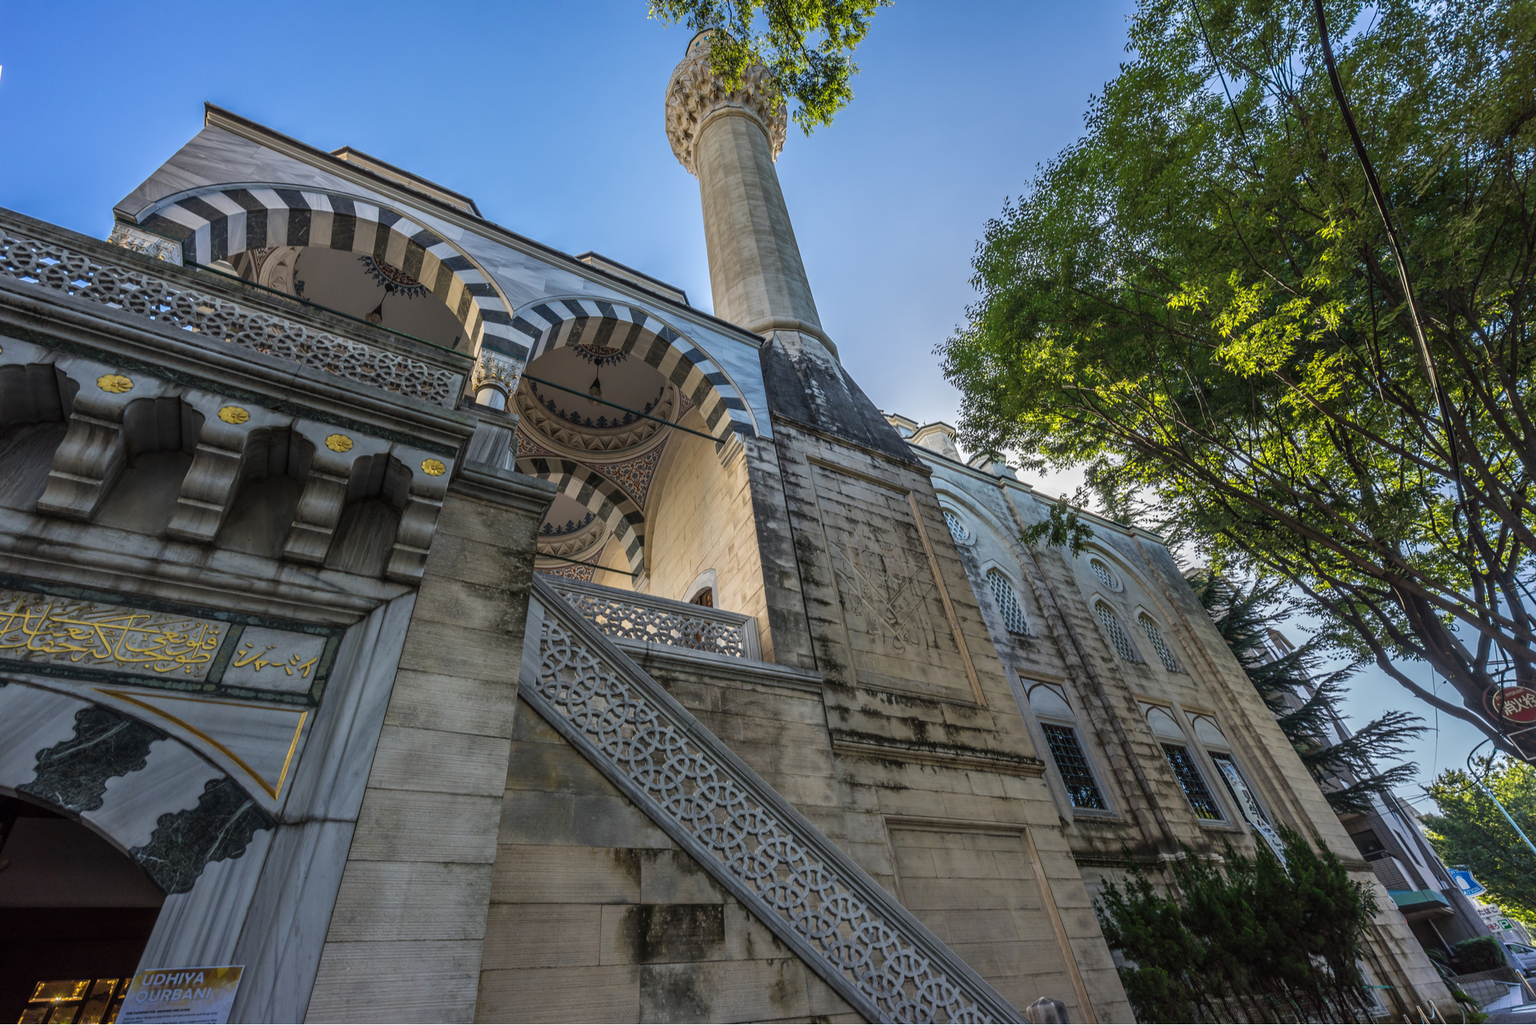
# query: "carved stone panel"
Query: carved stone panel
{"points": [[898, 635]]}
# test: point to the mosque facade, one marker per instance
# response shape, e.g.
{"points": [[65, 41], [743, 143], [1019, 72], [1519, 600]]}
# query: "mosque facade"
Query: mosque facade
{"points": [[433, 625]]}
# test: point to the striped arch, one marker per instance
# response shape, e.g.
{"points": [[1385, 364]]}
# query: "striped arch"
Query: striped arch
{"points": [[552, 323], [599, 494], [218, 223]]}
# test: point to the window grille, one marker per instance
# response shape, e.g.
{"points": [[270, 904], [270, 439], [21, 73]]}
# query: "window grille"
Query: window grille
{"points": [[1101, 570], [1008, 603], [1073, 766], [956, 528], [1158, 644], [1192, 782], [1117, 636]]}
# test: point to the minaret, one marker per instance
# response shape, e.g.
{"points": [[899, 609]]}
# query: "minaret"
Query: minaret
{"points": [[729, 139]]}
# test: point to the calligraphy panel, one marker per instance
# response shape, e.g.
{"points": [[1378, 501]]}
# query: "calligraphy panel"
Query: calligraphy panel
{"points": [[49, 629], [79, 636], [275, 660], [898, 634]]}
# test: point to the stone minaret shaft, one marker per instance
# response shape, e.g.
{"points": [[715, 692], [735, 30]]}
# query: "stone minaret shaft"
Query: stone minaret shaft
{"points": [[729, 139]]}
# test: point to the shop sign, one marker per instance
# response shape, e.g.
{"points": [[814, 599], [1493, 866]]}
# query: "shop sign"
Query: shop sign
{"points": [[202, 995], [1512, 704]]}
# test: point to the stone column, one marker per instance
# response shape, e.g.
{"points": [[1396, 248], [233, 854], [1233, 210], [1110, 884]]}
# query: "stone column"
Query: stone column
{"points": [[729, 139]]}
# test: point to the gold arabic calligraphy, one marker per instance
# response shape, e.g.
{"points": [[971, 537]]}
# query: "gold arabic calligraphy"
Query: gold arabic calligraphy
{"points": [[251, 656], [41, 627]]}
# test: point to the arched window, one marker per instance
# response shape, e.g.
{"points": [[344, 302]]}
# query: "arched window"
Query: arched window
{"points": [[1158, 644], [1104, 573], [1007, 603], [956, 528], [1059, 724], [1117, 636]]}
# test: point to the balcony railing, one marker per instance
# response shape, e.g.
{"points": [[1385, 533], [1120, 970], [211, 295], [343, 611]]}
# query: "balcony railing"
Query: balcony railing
{"points": [[629, 617]]}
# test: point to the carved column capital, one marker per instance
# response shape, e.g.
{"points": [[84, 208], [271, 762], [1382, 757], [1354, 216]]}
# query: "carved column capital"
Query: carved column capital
{"points": [[695, 95]]}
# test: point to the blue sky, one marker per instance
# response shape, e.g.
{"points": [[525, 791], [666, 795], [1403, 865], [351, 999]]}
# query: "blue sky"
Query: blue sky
{"points": [[550, 117]]}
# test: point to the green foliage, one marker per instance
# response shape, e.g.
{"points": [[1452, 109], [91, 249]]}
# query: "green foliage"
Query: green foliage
{"points": [[1478, 954], [1304, 700], [1250, 940], [1062, 528], [806, 45], [1197, 299], [1470, 830]]}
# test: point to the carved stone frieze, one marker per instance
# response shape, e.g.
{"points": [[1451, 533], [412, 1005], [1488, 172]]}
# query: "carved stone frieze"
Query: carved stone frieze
{"points": [[173, 305], [629, 616], [881, 586], [695, 94]]}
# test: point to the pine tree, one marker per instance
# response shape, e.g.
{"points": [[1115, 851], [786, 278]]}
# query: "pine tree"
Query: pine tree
{"points": [[1304, 699], [1252, 940]]}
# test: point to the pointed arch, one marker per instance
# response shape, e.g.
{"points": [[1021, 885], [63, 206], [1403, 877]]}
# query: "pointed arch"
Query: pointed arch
{"points": [[216, 222], [597, 493], [549, 324], [167, 807]]}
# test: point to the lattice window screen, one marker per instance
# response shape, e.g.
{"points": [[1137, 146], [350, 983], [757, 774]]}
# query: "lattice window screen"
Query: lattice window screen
{"points": [[1007, 603], [1159, 645], [1192, 782], [1117, 636], [1073, 766], [956, 528], [1101, 571]]}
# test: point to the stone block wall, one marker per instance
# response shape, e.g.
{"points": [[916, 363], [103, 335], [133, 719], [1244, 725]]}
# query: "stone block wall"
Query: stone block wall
{"points": [[596, 915], [404, 941]]}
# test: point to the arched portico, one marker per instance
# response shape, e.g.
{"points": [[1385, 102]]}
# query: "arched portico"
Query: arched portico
{"points": [[597, 493], [217, 222], [549, 324]]}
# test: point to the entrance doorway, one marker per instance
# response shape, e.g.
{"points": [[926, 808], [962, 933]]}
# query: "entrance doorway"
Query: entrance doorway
{"points": [[75, 916]]}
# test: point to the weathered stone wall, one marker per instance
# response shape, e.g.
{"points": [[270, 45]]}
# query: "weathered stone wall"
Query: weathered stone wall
{"points": [[929, 750], [596, 915], [1069, 646], [404, 941]]}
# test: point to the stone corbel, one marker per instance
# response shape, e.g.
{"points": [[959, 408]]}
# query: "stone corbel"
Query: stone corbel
{"points": [[92, 455], [729, 449], [418, 519], [211, 482], [325, 489]]}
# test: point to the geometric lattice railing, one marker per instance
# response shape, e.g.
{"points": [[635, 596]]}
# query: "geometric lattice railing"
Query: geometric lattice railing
{"points": [[629, 616], [131, 289], [837, 919]]}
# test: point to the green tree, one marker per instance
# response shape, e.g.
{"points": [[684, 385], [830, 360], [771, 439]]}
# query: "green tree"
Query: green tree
{"points": [[1200, 300], [806, 45], [1253, 939], [1470, 830], [1304, 699]]}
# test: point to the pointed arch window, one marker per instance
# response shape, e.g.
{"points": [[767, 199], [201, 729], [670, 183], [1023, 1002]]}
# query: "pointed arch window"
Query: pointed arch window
{"points": [[1117, 636], [1008, 603], [1158, 644], [1059, 724]]}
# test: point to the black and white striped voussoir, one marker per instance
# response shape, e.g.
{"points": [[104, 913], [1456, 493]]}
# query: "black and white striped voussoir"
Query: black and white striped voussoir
{"points": [[598, 494], [216, 224], [552, 323]]}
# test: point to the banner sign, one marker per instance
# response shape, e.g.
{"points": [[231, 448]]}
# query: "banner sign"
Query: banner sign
{"points": [[1464, 881], [202, 995]]}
